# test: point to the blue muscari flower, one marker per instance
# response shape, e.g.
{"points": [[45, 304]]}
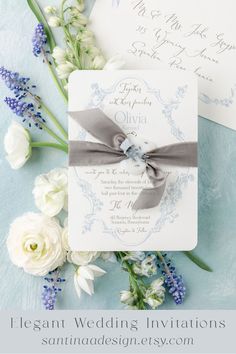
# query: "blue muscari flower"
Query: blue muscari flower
{"points": [[173, 282], [25, 110], [16, 83], [39, 39], [17, 106], [50, 292]]}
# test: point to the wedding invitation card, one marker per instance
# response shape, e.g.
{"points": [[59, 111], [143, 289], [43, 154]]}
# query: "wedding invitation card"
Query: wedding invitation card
{"points": [[132, 170], [195, 36]]}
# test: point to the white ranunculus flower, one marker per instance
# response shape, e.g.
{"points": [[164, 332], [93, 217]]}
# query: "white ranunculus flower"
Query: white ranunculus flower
{"points": [[98, 62], [35, 244], [115, 63], [59, 55], [17, 144], [51, 191], [64, 70], [82, 258], [54, 21], [77, 257], [84, 278]]}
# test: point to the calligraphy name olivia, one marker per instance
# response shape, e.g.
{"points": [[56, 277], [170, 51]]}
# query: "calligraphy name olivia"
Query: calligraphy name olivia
{"points": [[125, 117]]}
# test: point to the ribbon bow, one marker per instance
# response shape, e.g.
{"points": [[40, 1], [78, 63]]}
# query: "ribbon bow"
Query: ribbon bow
{"points": [[116, 147]]}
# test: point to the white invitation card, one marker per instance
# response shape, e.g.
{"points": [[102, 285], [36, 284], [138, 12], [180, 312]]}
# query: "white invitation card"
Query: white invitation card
{"points": [[154, 110], [195, 36]]}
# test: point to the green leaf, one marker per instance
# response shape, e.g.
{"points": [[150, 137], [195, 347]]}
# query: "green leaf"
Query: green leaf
{"points": [[40, 17], [198, 261]]}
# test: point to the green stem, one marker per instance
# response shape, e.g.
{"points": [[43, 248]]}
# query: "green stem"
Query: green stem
{"points": [[55, 79], [162, 259], [54, 135], [198, 261], [133, 280], [39, 101], [40, 144], [54, 120], [69, 38], [64, 95]]}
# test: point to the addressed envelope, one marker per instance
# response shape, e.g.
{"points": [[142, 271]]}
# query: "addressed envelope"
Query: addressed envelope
{"points": [[152, 106], [185, 35]]}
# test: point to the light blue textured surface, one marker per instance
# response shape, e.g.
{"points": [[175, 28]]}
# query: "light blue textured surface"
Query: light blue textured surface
{"points": [[217, 195]]}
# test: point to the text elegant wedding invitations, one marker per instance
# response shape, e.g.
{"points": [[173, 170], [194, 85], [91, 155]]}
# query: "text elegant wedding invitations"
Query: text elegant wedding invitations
{"points": [[133, 160], [184, 35]]}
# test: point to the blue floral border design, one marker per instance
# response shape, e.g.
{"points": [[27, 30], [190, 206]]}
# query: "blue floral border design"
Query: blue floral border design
{"points": [[167, 207], [95, 202], [173, 192], [224, 102], [99, 94]]}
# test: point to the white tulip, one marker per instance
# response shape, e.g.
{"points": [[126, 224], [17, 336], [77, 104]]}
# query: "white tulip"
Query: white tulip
{"points": [[17, 144], [54, 21], [98, 62], [64, 70], [35, 244], [82, 258], [84, 278], [51, 191], [59, 55], [50, 10], [115, 63]]}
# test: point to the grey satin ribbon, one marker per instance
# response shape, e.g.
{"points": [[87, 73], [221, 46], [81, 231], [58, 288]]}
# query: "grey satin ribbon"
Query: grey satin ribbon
{"points": [[85, 153]]}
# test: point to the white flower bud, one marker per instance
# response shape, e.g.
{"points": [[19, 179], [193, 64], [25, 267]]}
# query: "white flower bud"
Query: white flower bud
{"points": [[126, 297], [59, 55], [64, 70], [85, 37], [50, 10], [92, 51], [98, 62], [79, 20], [54, 21], [17, 144], [80, 5]]}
